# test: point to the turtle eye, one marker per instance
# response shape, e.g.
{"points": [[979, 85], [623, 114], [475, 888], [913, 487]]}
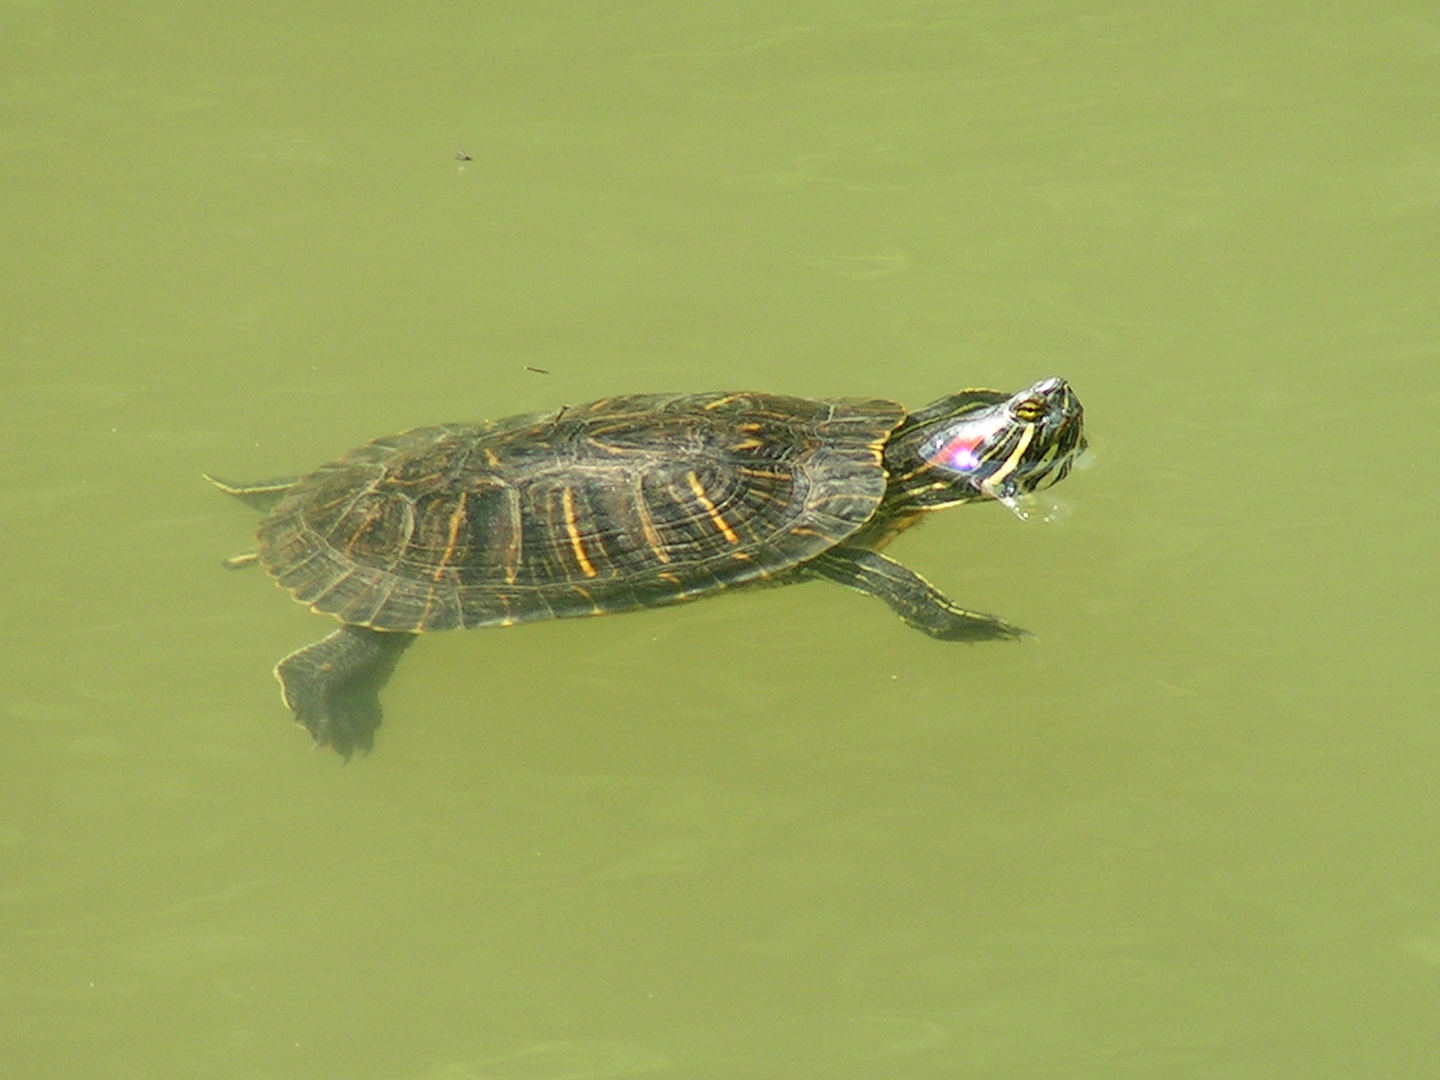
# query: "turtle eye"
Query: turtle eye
{"points": [[1029, 410]]}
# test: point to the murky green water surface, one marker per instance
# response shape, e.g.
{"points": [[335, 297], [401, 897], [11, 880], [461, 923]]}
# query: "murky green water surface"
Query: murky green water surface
{"points": [[1190, 830]]}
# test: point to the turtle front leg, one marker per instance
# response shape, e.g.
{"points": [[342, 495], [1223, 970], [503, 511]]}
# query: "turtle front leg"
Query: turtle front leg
{"points": [[909, 595], [333, 685]]}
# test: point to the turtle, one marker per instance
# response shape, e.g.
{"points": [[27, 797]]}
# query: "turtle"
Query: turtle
{"points": [[630, 502]]}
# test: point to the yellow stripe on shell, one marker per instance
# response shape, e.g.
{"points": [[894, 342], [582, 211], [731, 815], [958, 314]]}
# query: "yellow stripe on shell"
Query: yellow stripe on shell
{"points": [[456, 520], [647, 524], [698, 490], [516, 536], [720, 402], [371, 516], [581, 559]]}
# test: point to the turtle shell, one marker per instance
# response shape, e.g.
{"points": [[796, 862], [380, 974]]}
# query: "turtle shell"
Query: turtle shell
{"points": [[618, 504]]}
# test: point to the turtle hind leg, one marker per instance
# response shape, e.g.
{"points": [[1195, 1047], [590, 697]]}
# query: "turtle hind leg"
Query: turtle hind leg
{"points": [[262, 494], [333, 686], [910, 596]]}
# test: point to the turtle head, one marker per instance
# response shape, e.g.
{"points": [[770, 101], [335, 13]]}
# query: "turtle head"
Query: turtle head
{"points": [[983, 444]]}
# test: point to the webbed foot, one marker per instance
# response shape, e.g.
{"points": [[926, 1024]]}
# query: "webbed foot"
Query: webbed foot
{"points": [[333, 685]]}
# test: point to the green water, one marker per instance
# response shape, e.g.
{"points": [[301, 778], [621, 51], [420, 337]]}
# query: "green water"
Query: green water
{"points": [[1190, 830]]}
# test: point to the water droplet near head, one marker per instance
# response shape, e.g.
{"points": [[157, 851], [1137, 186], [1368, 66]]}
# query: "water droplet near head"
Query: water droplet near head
{"points": [[1038, 506]]}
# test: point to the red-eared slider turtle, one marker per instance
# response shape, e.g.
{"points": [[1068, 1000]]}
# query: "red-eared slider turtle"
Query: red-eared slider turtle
{"points": [[626, 503]]}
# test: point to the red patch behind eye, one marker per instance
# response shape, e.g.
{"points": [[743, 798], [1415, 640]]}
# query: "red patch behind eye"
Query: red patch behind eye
{"points": [[959, 452]]}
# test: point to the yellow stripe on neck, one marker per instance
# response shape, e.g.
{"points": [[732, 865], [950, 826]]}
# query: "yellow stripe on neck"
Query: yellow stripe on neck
{"points": [[1011, 463]]}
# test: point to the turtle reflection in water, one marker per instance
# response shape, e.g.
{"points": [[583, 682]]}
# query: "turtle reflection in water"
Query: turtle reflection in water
{"points": [[626, 503]]}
